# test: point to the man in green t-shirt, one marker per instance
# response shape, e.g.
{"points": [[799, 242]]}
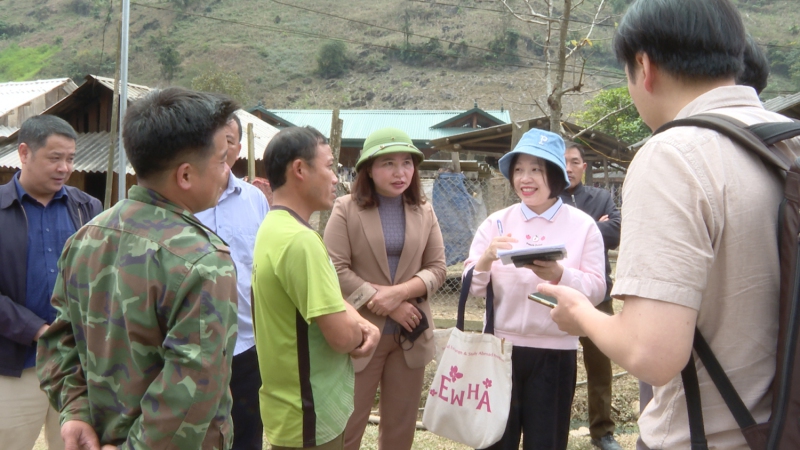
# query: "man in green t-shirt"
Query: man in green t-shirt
{"points": [[305, 331]]}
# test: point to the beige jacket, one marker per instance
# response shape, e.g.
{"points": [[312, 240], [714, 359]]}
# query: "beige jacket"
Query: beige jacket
{"points": [[354, 239]]}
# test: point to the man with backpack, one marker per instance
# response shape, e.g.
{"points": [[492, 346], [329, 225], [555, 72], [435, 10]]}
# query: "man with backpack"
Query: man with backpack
{"points": [[700, 221]]}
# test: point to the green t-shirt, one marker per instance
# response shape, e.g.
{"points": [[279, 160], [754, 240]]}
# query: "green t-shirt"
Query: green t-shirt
{"points": [[307, 388]]}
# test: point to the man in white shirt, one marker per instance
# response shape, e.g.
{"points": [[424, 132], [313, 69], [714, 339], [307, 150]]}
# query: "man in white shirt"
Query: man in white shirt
{"points": [[236, 218]]}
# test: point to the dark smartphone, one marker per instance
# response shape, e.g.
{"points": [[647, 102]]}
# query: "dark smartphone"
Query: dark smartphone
{"points": [[545, 300]]}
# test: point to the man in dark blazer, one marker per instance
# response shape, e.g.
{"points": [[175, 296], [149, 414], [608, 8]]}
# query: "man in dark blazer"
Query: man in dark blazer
{"points": [[599, 204], [38, 212]]}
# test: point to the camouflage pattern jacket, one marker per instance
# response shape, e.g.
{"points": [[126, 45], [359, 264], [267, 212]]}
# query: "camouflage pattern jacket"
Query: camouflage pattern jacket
{"points": [[142, 344]]}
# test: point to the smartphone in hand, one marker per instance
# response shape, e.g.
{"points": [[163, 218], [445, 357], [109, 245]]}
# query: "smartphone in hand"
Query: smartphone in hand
{"points": [[545, 300]]}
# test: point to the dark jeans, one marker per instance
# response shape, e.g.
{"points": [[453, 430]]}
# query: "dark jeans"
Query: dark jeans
{"points": [[543, 385], [248, 431], [598, 386]]}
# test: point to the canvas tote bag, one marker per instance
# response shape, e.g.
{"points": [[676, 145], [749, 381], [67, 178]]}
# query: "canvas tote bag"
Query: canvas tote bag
{"points": [[470, 395]]}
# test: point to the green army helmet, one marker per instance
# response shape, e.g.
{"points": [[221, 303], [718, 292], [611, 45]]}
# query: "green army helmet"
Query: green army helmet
{"points": [[385, 141]]}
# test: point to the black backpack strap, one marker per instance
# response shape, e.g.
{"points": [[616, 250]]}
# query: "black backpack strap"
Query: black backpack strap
{"points": [[752, 138], [691, 388], [740, 412], [773, 132], [462, 303]]}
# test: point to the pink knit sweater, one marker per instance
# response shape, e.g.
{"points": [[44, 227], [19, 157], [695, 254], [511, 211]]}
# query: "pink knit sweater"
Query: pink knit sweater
{"points": [[524, 322]]}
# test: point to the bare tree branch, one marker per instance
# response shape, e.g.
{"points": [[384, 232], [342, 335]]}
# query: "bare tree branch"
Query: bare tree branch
{"points": [[544, 19], [586, 40]]}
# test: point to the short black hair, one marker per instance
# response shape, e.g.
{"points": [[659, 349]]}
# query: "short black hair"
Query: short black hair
{"points": [[689, 39], [288, 145], [569, 144], [555, 176], [236, 119], [35, 131], [756, 66], [167, 125]]}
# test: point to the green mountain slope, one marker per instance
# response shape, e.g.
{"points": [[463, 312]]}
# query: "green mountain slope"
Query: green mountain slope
{"points": [[402, 53]]}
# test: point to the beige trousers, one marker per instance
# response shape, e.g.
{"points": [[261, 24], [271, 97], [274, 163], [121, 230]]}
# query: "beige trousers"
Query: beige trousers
{"points": [[24, 410]]}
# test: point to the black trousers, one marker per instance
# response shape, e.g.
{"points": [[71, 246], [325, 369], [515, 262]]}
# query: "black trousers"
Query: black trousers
{"points": [[248, 431], [543, 385]]}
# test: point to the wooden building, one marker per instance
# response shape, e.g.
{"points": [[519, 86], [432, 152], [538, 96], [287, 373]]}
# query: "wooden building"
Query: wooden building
{"points": [[88, 110]]}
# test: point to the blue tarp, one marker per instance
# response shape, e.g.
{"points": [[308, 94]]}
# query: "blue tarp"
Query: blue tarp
{"points": [[459, 214]]}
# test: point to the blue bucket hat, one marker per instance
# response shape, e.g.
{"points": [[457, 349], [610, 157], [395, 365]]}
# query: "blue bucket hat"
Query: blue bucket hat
{"points": [[541, 144]]}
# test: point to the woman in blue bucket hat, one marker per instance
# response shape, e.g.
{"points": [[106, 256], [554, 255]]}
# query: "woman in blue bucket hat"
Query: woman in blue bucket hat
{"points": [[543, 358], [385, 242]]}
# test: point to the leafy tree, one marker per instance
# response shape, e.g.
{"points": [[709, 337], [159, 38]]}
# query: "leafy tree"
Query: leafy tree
{"points": [[223, 82], [784, 60], [170, 61], [625, 125], [332, 60]]}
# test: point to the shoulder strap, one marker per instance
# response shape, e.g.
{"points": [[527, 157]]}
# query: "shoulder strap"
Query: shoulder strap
{"points": [[773, 132], [691, 387], [756, 138], [692, 390], [462, 303]]}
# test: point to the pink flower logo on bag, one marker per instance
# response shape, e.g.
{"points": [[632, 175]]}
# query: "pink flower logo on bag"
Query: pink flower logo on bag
{"points": [[487, 383], [433, 392], [454, 373]]}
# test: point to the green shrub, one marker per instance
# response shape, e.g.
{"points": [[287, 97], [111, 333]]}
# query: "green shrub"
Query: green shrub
{"points": [[223, 82], [504, 47], [170, 60], [332, 60], [87, 62]]}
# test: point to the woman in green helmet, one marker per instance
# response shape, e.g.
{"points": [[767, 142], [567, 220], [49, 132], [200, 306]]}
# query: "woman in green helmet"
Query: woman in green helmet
{"points": [[385, 242]]}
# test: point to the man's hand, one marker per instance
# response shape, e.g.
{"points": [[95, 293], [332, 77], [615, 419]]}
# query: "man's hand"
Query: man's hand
{"points": [[603, 219], [572, 305], [40, 332], [370, 336], [407, 316], [547, 270], [387, 299], [79, 435]]}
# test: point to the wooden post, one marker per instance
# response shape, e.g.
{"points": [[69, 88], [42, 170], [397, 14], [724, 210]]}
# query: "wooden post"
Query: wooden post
{"points": [[114, 120], [336, 147], [517, 130], [588, 176], [456, 162], [605, 169], [251, 154]]}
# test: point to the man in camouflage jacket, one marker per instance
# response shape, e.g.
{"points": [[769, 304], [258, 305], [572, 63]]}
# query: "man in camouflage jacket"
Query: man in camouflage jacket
{"points": [[139, 355]]}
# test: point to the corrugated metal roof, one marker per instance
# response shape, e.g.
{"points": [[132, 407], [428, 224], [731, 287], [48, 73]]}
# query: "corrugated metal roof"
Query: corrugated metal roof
{"points": [[7, 131], [91, 154], [784, 104], [92, 148], [358, 124], [134, 90], [18, 93]]}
